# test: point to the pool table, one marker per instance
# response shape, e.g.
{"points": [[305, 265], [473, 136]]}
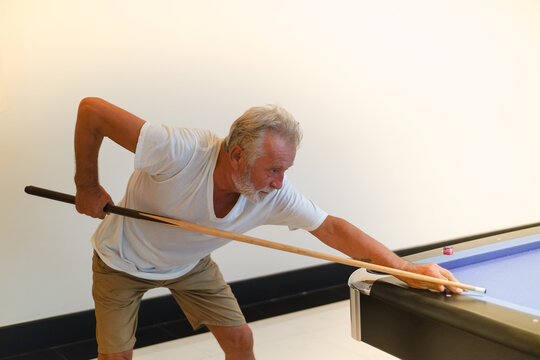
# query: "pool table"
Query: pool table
{"points": [[416, 324]]}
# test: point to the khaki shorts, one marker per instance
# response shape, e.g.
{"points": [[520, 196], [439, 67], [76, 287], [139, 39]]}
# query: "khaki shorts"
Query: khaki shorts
{"points": [[202, 293]]}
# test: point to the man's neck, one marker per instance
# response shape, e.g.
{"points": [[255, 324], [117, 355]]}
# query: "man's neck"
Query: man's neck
{"points": [[225, 193]]}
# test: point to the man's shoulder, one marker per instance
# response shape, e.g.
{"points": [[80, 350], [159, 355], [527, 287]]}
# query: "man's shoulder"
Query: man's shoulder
{"points": [[166, 149], [174, 134]]}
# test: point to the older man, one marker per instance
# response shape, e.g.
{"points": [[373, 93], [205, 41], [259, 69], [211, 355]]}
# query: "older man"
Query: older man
{"points": [[235, 184]]}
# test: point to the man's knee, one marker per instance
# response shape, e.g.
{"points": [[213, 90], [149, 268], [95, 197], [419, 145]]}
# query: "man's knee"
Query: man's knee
{"points": [[243, 338], [238, 339]]}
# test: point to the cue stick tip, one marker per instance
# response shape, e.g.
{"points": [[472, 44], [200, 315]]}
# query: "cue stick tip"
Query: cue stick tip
{"points": [[480, 289]]}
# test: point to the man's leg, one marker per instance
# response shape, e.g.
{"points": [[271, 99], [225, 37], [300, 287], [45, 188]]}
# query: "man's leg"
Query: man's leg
{"points": [[236, 341], [207, 300], [117, 297]]}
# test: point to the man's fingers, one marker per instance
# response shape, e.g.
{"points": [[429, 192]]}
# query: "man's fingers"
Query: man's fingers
{"points": [[92, 201]]}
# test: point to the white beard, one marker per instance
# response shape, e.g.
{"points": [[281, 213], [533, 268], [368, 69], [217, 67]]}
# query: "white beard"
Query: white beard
{"points": [[245, 187]]}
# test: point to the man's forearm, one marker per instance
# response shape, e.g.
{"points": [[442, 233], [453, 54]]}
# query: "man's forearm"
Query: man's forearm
{"points": [[347, 238], [362, 246], [88, 141]]}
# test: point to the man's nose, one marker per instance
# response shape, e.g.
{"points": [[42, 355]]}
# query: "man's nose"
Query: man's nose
{"points": [[277, 181]]}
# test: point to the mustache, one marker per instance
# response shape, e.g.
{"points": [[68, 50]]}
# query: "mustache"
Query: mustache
{"points": [[267, 190]]}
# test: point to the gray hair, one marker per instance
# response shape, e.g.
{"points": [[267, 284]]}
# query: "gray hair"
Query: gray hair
{"points": [[249, 130]]}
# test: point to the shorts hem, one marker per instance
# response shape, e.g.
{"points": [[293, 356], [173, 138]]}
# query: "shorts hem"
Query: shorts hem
{"points": [[214, 323]]}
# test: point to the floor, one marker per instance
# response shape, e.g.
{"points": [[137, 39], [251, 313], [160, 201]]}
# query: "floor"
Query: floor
{"points": [[318, 333]]}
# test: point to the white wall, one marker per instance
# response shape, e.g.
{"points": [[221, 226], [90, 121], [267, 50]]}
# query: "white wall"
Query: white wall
{"points": [[421, 118]]}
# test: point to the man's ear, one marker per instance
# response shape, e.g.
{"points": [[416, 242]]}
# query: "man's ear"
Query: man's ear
{"points": [[236, 156]]}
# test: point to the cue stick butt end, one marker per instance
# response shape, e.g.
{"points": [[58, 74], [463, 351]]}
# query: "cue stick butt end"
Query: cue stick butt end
{"points": [[49, 194]]}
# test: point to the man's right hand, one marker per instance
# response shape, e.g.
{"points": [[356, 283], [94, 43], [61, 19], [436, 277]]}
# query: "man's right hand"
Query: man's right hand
{"points": [[92, 200]]}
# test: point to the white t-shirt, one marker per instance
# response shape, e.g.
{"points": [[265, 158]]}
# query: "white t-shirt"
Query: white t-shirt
{"points": [[173, 177]]}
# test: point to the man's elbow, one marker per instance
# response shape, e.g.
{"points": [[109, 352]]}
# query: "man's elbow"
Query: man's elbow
{"points": [[90, 104], [88, 116]]}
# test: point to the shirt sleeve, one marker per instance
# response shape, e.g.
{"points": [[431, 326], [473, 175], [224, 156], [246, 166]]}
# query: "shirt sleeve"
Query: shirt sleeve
{"points": [[163, 151], [295, 210]]}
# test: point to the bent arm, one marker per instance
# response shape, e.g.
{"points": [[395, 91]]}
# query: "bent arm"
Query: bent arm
{"points": [[96, 119], [347, 238]]}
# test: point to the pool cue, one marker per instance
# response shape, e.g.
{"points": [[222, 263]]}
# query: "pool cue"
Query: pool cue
{"points": [[185, 225]]}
